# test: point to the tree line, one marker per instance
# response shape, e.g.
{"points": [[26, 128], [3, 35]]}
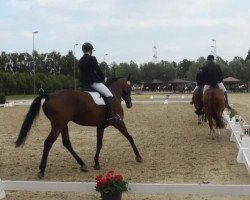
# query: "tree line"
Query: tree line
{"points": [[52, 71]]}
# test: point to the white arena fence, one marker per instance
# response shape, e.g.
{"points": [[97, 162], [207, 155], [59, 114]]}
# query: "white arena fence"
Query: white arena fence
{"points": [[240, 134], [134, 188], [17, 103], [154, 99]]}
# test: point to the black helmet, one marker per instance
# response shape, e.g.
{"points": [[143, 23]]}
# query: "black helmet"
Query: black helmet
{"points": [[210, 57], [87, 47]]}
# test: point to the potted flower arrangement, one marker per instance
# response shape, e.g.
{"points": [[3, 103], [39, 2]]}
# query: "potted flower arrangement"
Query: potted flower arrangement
{"points": [[111, 186]]}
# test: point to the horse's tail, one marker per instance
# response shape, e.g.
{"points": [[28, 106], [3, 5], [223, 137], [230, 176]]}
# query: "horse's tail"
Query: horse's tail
{"points": [[29, 119], [217, 117]]}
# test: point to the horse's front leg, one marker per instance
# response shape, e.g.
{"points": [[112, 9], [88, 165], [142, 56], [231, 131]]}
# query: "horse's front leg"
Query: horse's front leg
{"points": [[122, 128], [99, 134]]}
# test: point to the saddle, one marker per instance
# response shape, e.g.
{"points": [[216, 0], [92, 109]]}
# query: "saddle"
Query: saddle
{"points": [[98, 98]]}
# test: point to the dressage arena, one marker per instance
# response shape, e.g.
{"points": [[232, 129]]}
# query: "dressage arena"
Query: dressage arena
{"points": [[173, 147]]}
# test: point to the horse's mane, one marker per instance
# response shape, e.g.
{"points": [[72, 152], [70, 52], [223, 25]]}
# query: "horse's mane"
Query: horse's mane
{"points": [[110, 81]]}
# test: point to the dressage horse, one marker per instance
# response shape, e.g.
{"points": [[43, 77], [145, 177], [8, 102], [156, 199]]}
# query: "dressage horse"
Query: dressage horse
{"points": [[197, 99], [214, 105], [79, 107]]}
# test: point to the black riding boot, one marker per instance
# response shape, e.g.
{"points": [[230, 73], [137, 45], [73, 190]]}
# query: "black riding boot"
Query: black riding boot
{"points": [[112, 117], [226, 101]]}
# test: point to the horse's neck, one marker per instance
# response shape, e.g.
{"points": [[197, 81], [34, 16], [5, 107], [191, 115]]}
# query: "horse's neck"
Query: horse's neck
{"points": [[117, 92]]}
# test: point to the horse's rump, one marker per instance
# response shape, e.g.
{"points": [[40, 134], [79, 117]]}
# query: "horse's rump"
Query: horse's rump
{"points": [[214, 105]]}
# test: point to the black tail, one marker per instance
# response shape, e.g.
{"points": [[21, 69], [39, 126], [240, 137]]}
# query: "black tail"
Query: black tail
{"points": [[29, 119]]}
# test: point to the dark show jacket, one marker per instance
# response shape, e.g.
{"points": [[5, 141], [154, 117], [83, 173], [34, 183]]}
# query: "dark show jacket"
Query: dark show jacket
{"points": [[212, 74], [199, 78], [90, 71]]}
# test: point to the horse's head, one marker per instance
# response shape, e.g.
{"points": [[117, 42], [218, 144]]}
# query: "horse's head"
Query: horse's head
{"points": [[126, 94], [123, 88]]}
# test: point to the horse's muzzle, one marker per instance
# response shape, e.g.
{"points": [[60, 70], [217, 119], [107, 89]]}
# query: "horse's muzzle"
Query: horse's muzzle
{"points": [[129, 104]]}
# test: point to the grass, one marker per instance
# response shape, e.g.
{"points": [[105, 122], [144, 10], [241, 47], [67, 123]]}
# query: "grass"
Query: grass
{"points": [[18, 97]]}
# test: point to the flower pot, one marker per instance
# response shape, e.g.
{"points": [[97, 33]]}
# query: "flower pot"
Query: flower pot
{"points": [[117, 195]]}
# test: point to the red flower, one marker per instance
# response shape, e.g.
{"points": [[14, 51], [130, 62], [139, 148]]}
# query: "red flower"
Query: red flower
{"points": [[111, 182], [109, 177], [101, 183], [118, 177], [99, 177]]}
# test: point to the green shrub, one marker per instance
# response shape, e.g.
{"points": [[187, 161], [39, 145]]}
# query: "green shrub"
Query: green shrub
{"points": [[2, 98]]}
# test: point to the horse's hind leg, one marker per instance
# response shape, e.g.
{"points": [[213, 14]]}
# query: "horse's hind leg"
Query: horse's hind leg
{"points": [[67, 144], [99, 133], [199, 120], [122, 128], [47, 146]]}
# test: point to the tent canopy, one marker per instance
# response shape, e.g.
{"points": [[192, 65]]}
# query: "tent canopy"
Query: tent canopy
{"points": [[231, 80], [179, 81]]}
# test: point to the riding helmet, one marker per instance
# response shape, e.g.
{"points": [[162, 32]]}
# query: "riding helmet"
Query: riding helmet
{"points": [[87, 47], [210, 57]]}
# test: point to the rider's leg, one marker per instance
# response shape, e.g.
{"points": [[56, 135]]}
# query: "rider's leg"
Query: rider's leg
{"points": [[100, 87], [205, 88], [222, 87]]}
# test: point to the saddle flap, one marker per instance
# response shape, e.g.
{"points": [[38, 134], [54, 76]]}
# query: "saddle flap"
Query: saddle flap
{"points": [[97, 97]]}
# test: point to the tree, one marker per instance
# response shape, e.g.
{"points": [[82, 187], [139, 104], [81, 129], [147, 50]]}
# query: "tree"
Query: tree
{"points": [[124, 69], [3, 61], [66, 64], [182, 68], [194, 68], [238, 68], [247, 65], [248, 56]]}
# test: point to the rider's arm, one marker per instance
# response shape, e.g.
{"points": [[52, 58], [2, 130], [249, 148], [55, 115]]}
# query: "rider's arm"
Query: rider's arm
{"points": [[97, 68]]}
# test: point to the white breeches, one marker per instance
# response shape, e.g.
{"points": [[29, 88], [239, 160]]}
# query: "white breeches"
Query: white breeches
{"points": [[100, 87], [220, 85]]}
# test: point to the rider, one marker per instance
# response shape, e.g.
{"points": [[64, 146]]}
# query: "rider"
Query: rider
{"points": [[199, 81], [91, 75], [212, 75]]}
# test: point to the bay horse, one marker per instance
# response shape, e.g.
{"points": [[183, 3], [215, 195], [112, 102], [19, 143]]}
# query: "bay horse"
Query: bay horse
{"points": [[197, 99], [79, 107], [214, 105]]}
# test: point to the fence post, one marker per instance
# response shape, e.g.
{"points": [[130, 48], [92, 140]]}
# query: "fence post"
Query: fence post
{"points": [[2, 192]]}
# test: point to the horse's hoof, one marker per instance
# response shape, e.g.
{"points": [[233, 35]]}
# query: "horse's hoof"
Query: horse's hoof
{"points": [[199, 123], [97, 167], [139, 159], [84, 168], [40, 175]]}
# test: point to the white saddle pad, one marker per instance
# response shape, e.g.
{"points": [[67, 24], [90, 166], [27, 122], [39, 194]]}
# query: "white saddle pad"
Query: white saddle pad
{"points": [[97, 98]]}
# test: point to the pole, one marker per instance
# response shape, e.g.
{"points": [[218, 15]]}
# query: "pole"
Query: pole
{"points": [[34, 81], [75, 67], [215, 49]]}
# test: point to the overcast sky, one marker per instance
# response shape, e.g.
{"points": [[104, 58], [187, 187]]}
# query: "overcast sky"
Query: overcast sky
{"points": [[128, 29]]}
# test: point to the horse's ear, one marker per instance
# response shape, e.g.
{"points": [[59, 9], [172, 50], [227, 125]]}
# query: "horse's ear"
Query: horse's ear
{"points": [[129, 77]]}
